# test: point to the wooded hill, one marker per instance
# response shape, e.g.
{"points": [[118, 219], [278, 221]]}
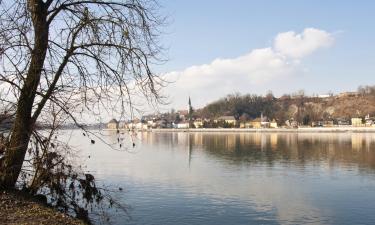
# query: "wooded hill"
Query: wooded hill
{"points": [[304, 109]]}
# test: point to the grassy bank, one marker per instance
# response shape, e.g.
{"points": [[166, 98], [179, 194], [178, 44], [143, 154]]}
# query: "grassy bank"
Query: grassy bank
{"points": [[18, 208]]}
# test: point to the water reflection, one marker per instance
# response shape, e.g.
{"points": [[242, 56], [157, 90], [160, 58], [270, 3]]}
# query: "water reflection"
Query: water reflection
{"points": [[242, 178], [335, 149]]}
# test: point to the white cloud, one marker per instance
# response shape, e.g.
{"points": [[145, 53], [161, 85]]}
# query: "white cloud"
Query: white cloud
{"points": [[248, 72], [300, 45]]}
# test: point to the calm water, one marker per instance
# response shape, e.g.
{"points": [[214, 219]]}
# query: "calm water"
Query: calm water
{"points": [[239, 178]]}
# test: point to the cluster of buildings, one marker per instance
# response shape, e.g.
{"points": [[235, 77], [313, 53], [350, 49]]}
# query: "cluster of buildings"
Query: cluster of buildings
{"points": [[183, 119], [231, 122]]}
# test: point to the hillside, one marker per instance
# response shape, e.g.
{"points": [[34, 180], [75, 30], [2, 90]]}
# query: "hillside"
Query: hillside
{"points": [[301, 108]]}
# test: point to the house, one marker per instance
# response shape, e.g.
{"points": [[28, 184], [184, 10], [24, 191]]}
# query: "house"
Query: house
{"points": [[357, 122], [328, 123], [162, 123], [198, 123], [228, 119], [182, 125], [261, 122], [256, 123], [343, 122], [273, 124], [291, 123], [141, 126], [319, 123], [369, 121], [348, 94], [264, 122], [113, 124], [245, 124]]}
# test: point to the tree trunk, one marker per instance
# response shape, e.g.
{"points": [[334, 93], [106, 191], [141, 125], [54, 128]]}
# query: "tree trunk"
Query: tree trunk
{"points": [[23, 124]]}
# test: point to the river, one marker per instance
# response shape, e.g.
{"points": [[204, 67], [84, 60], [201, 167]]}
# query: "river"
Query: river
{"points": [[237, 178]]}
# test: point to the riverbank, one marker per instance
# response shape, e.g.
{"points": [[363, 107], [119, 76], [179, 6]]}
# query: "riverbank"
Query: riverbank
{"points": [[18, 208], [269, 130]]}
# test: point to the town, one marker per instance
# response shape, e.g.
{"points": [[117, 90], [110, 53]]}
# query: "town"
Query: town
{"points": [[347, 109]]}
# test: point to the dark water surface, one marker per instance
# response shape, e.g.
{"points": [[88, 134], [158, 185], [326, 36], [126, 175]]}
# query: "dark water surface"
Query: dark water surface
{"points": [[239, 178]]}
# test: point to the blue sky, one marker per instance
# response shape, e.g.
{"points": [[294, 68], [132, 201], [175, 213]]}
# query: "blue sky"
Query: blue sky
{"points": [[201, 31]]}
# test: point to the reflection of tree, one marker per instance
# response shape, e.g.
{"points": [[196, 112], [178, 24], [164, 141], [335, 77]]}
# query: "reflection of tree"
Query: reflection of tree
{"points": [[270, 149], [290, 149]]}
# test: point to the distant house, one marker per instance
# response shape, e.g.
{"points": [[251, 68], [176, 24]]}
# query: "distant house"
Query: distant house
{"points": [[161, 123], [198, 123], [343, 122], [141, 126], [182, 125], [348, 94], [319, 123], [357, 122], [113, 124], [369, 121], [291, 123], [328, 123], [151, 123], [228, 119], [262, 122], [245, 124], [273, 124], [256, 123]]}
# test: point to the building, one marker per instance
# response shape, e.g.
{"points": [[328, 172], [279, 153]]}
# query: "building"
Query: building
{"points": [[256, 123], [198, 123], [141, 126], [343, 122], [369, 121], [228, 119], [357, 122], [328, 123], [273, 124], [348, 94], [264, 122], [182, 125], [245, 125], [113, 124]]}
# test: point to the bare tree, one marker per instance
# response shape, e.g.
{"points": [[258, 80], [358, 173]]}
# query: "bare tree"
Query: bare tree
{"points": [[93, 54]]}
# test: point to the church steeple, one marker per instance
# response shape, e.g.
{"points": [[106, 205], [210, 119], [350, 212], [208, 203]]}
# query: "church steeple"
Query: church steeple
{"points": [[190, 111]]}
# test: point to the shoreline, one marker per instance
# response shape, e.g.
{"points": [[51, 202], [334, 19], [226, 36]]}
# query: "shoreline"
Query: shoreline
{"points": [[265, 130], [18, 207]]}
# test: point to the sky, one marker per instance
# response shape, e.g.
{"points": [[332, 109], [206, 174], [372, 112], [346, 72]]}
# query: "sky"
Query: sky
{"points": [[217, 47]]}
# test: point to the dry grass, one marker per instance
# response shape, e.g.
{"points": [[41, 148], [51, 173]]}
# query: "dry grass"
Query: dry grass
{"points": [[17, 208]]}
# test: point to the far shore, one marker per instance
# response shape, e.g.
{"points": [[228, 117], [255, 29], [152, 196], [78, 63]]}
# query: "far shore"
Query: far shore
{"points": [[266, 130]]}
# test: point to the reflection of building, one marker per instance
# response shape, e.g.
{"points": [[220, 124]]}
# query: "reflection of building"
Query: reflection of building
{"points": [[273, 140], [357, 141], [112, 124]]}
